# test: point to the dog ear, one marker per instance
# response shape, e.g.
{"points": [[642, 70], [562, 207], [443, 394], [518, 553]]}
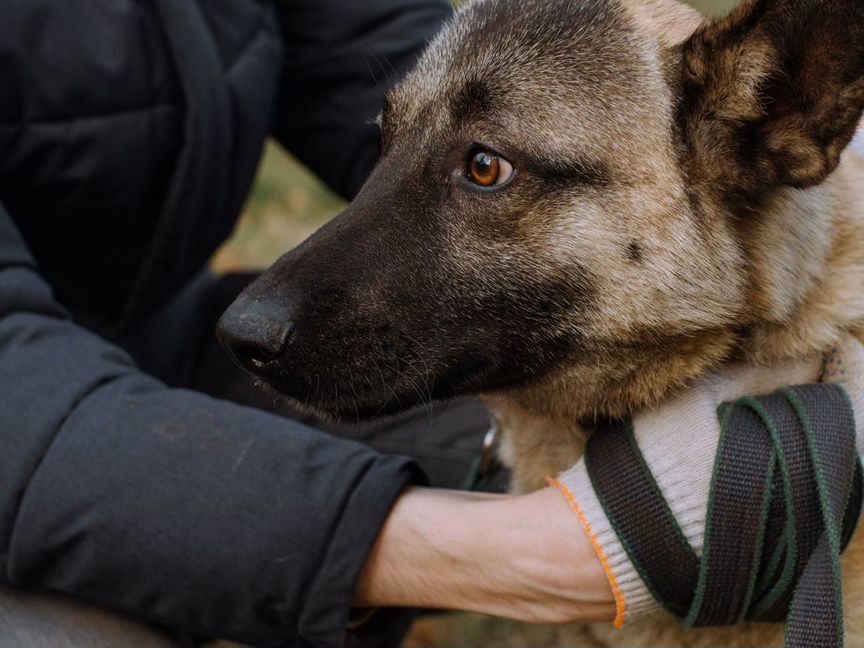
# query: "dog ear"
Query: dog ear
{"points": [[772, 94]]}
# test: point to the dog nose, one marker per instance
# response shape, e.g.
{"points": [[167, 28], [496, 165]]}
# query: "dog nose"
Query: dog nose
{"points": [[254, 333]]}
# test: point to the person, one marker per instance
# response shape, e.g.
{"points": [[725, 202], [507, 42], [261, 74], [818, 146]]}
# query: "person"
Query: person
{"points": [[143, 477]]}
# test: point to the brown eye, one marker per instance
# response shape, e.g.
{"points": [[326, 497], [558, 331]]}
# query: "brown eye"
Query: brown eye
{"points": [[488, 169]]}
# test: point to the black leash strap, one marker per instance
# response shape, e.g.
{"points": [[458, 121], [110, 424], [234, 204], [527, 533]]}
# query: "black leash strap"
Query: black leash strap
{"points": [[786, 494]]}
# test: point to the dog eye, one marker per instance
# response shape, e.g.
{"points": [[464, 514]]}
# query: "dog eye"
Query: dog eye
{"points": [[488, 169]]}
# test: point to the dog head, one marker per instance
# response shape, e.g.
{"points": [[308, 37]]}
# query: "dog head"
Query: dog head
{"points": [[572, 194]]}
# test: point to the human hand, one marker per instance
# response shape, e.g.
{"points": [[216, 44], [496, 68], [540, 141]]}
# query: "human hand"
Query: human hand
{"points": [[524, 558]]}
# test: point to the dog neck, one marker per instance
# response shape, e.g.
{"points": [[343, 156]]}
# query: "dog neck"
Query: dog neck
{"points": [[818, 286]]}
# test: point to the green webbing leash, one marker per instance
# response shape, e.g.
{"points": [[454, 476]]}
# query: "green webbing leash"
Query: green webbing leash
{"points": [[786, 494]]}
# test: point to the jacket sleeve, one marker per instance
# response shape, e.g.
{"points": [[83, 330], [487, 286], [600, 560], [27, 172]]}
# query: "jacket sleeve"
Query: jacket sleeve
{"points": [[166, 504], [341, 56]]}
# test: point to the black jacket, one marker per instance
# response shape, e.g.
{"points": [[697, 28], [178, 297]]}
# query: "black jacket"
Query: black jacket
{"points": [[130, 131]]}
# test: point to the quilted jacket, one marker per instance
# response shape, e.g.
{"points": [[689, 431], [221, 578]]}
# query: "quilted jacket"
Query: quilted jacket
{"points": [[130, 131]]}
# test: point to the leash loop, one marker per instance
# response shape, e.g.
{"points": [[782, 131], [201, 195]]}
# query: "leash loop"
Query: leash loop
{"points": [[785, 498]]}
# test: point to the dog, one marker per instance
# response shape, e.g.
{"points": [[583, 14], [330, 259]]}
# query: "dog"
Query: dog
{"points": [[581, 207]]}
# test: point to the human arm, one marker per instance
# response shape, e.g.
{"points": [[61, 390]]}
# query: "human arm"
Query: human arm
{"points": [[165, 504], [340, 58], [520, 557]]}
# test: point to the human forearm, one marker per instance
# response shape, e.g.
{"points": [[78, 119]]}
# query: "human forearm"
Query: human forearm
{"points": [[524, 558], [167, 504]]}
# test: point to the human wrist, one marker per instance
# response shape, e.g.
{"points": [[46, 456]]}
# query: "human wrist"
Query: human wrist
{"points": [[424, 554], [523, 558], [551, 562]]}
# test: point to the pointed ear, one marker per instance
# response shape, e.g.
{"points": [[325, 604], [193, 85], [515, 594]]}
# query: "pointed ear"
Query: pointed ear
{"points": [[772, 94]]}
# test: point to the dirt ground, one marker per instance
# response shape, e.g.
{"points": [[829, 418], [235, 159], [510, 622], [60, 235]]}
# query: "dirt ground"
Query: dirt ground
{"points": [[287, 205]]}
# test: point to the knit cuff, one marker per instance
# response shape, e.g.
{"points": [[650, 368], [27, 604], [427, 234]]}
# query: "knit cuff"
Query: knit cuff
{"points": [[683, 474], [632, 598]]}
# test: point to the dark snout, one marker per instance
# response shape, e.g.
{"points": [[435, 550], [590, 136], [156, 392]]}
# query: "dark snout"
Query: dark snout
{"points": [[256, 332], [364, 319], [333, 325]]}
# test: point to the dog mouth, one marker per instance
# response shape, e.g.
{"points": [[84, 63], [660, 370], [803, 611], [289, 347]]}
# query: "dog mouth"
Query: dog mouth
{"points": [[359, 371], [372, 385], [344, 358], [340, 396]]}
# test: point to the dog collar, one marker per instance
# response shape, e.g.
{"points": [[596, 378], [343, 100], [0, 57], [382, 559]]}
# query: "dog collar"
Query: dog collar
{"points": [[486, 466]]}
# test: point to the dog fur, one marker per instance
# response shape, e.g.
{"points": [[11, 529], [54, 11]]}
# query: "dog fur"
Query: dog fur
{"points": [[682, 198]]}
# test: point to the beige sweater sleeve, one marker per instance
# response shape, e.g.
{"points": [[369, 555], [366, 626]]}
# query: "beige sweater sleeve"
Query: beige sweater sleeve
{"points": [[679, 441]]}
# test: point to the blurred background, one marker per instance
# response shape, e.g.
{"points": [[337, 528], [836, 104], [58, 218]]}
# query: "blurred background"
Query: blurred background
{"points": [[713, 8], [287, 205]]}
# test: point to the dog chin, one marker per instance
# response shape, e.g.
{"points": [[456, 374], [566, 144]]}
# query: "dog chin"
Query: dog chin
{"points": [[347, 409]]}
